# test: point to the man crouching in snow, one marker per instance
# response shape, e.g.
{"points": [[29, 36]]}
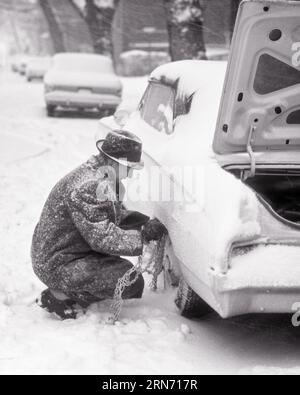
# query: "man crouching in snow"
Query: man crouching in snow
{"points": [[84, 229]]}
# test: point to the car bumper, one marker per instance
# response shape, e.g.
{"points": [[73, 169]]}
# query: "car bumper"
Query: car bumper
{"points": [[35, 74], [252, 285], [263, 300], [80, 100]]}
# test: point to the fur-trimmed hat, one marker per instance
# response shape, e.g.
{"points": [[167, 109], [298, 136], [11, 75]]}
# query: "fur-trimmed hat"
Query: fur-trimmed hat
{"points": [[122, 147]]}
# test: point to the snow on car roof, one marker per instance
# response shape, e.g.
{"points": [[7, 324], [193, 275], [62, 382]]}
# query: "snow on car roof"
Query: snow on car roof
{"points": [[192, 74], [204, 80], [74, 61]]}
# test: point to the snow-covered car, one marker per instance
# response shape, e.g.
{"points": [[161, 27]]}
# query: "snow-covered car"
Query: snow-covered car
{"points": [[37, 67], [19, 64], [23, 65], [15, 62], [82, 81], [228, 163]]}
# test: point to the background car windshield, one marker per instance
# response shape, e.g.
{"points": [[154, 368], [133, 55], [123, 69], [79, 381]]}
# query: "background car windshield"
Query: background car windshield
{"points": [[83, 63], [157, 107]]}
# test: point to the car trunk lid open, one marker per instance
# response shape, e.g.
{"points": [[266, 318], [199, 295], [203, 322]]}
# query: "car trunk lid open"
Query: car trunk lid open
{"points": [[258, 129], [260, 108]]}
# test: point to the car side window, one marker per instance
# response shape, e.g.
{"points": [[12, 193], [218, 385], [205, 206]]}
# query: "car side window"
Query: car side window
{"points": [[157, 107], [183, 105]]}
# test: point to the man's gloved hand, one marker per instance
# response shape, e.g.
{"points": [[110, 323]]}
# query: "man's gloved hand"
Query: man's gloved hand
{"points": [[154, 230]]}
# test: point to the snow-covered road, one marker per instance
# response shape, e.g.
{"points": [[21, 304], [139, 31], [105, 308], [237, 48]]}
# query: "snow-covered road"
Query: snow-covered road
{"points": [[151, 338]]}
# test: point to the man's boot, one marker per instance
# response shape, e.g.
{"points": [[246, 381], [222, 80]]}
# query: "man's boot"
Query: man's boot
{"points": [[64, 309]]}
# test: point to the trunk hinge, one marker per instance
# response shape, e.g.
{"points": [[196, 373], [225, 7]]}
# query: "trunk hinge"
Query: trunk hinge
{"points": [[250, 174]]}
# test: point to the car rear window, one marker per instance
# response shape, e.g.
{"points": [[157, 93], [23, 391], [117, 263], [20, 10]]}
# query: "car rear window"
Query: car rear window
{"points": [[157, 107]]}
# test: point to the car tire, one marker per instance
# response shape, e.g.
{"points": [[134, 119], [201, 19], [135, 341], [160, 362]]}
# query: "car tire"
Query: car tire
{"points": [[190, 305], [51, 111]]}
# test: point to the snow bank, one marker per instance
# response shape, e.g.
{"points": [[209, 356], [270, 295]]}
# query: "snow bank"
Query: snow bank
{"points": [[138, 62], [133, 53], [99, 3]]}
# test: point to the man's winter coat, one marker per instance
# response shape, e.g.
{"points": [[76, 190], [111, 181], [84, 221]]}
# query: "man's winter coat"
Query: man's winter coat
{"points": [[77, 240]]}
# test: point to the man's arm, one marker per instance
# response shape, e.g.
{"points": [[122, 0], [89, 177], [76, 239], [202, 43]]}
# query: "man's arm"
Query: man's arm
{"points": [[95, 223]]}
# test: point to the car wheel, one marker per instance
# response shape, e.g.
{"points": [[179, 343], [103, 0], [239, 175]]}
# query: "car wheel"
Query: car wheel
{"points": [[51, 111], [189, 303]]}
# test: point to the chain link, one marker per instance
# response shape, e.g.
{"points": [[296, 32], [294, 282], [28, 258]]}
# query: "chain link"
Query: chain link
{"points": [[151, 262]]}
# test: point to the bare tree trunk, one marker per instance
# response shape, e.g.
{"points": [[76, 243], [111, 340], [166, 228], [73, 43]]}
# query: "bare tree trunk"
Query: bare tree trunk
{"points": [[185, 28], [54, 28], [91, 17], [99, 20]]}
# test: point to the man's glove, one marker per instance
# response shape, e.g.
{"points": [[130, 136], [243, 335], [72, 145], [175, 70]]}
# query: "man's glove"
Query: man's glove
{"points": [[154, 230], [133, 220]]}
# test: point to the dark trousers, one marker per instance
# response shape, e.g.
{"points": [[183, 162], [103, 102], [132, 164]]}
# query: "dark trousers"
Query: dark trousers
{"points": [[94, 278]]}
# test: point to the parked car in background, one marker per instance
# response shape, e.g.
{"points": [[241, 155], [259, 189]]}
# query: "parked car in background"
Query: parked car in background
{"points": [[82, 81], [23, 65], [229, 163], [14, 63], [19, 64], [37, 67]]}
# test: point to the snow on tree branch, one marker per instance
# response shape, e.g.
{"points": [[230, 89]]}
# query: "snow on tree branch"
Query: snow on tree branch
{"points": [[186, 11], [104, 3], [81, 4], [185, 28]]}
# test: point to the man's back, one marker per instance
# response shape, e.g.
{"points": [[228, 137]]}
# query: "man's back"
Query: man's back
{"points": [[56, 240], [84, 230]]}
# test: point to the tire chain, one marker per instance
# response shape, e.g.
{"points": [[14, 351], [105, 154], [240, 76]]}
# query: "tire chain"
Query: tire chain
{"points": [[151, 262]]}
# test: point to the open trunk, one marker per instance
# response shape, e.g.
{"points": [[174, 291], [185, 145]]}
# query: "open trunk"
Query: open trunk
{"points": [[280, 189], [259, 116]]}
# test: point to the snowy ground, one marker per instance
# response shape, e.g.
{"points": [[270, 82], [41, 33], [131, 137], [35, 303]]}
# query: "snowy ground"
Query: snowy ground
{"points": [[151, 337]]}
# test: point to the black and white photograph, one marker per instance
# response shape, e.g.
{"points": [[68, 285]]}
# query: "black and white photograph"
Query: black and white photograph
{"points": [[149, 190]]}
